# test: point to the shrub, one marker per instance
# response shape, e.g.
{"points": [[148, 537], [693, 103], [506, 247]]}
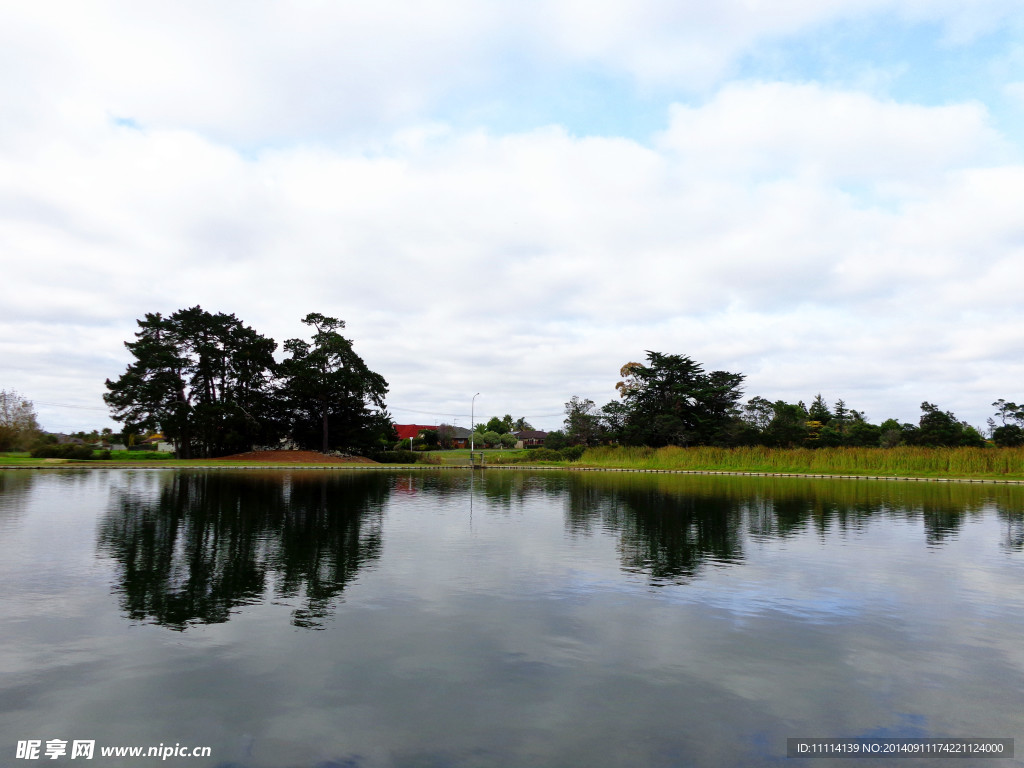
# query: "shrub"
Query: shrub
{"points": [[572, 452], [545, 454], [556, 440], [1008, 435], [127, 455], [75, 452], [396, 457]]}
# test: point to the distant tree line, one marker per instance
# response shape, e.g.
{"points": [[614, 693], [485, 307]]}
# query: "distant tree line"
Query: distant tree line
{"points": [[499, 432], [671, 400], [213, 387], [486, 434]]}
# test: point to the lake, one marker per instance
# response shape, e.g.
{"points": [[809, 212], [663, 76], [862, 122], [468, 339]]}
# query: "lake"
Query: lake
{"points": [[428, 618]]}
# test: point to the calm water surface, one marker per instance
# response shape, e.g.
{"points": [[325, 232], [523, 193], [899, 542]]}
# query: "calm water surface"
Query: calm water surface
{"points": [[438, 618]]}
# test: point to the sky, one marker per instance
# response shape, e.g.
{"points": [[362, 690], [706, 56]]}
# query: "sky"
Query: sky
{"points": [[517, 198]]}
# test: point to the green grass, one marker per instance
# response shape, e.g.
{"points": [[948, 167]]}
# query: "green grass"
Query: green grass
{"points": [[141, 456], [995, 463], [460, 456], [17, 458], [890, 462]]}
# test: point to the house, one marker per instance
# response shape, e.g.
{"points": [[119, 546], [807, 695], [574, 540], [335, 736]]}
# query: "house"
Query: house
{"points": [[457, 437], [530, 438], [451, 437], [405, 431], [154, 443]]}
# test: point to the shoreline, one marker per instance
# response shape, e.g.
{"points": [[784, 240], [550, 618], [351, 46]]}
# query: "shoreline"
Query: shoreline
{"points": [[515, 467]]}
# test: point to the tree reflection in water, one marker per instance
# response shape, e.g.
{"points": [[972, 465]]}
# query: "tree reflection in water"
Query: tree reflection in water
{"points": [[670, 527], [199, 545], [206, 543]]}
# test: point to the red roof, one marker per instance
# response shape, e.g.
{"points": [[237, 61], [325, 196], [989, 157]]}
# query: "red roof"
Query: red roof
{"points": [[405, 431]]}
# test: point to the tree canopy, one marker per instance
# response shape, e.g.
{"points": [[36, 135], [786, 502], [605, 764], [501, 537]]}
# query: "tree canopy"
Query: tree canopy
{"points": [[204, 380], [672, 401], [212, 386], [328, 390]]}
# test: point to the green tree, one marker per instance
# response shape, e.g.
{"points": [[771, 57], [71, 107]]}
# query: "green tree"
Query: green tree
{"points": [[892, 433], [941, 428], [758, 412], [1008, 436], [328, 390], [19, 425], [556, 440], [840, 417], [828, 436], [521, 425], [445, 433], [788, 427], [1009, 413], [204, 380], [498, 426], [861, 433], [819, 410], [582, 422], [672, 401], [613, 420], [1011, 430]]}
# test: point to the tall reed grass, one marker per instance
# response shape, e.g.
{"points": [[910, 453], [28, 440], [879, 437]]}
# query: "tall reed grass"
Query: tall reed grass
{"points": [[903, 461]]}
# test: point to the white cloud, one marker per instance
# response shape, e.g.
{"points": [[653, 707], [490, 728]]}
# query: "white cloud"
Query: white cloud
{"points": [[532, 266], [767, 129], [260, 73], [283, 162]]}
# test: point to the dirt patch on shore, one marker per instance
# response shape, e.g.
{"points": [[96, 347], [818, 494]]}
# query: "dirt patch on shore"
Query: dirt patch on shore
{"points": [[296, 457]]}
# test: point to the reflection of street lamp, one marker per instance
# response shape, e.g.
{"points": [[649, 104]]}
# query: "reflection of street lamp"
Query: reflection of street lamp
{"points": [[472, 404]]}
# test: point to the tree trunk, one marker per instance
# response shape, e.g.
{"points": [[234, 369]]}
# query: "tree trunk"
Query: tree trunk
{"points": [[324, 449]]}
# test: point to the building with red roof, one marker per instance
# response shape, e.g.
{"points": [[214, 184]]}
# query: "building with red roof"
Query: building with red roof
{"points": [[405, 431]]}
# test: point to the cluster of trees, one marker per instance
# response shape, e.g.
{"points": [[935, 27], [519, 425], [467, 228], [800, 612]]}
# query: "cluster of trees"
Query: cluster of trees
{"points": [[672, 401], [19, 426], [490, 434], [1010, 432], [498, 432], [212, 386]]}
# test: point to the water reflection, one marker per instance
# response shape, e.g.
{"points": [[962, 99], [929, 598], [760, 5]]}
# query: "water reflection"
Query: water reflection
{"points": [[669, 536], [206, 543], [193, 547], [671, 526], [15, 489]]}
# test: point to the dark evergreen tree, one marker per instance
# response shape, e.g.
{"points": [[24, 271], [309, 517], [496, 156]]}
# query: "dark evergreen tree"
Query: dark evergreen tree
{"points": [[819, 410], [788, 427], [672, 401], [941, 428], [329, 393], [204, 380]]}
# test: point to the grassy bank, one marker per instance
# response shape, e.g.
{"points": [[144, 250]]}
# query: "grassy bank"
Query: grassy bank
{"points": [[891, 462], [996, 463]]}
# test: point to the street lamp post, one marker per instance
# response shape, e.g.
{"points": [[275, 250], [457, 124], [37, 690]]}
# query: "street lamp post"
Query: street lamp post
{"points": [[472, 405]]}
